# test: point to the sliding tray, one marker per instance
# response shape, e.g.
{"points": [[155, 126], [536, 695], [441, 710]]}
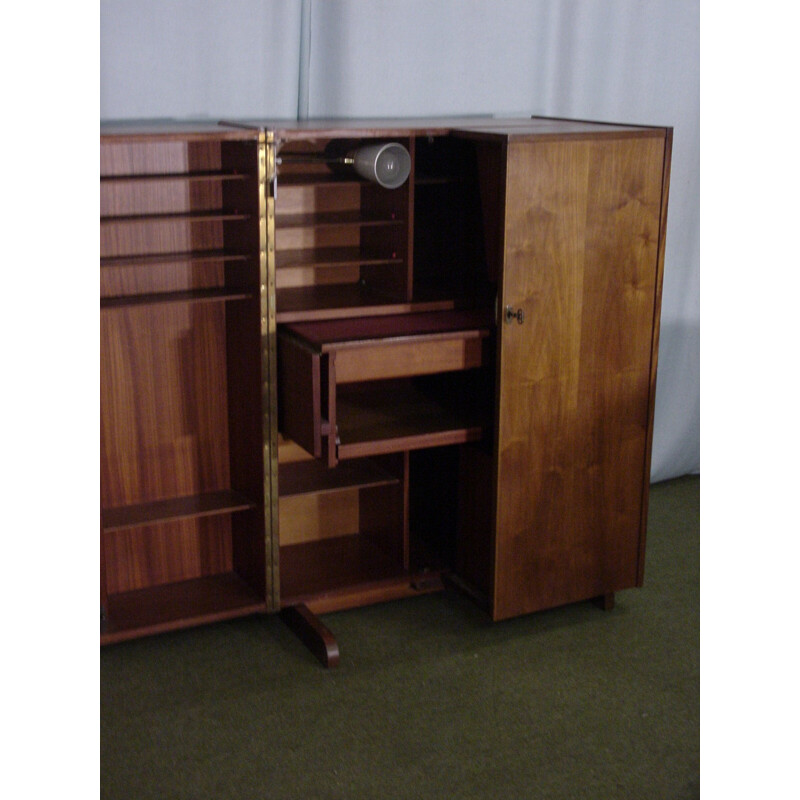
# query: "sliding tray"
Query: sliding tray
{"points": [[354, 387]]}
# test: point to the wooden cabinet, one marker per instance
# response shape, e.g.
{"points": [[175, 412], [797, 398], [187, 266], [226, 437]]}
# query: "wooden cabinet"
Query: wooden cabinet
{"points": [[319, 393]]}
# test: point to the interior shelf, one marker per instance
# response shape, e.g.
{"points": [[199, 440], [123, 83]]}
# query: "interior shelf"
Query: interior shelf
{"points": [[197, 256], [314, 477], [196, 296], [159, 177], [346, 300], [325, 565], [190, 216], [178, 605], [330, 257], [327, 219], [318, 179], [200, 505], [373, 418]]}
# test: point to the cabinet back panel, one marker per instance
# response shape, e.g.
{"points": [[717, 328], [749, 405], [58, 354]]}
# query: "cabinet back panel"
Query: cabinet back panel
{"points": [[158, 157], [308, 237], [582, 262], [139, 558], [308, 276], [122, 198], [308, 517], [136, 238], [163, 402], [317, 199], [168, 277]]}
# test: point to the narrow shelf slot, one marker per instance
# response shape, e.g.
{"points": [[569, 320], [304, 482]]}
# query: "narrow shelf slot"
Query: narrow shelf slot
{"points": [[178, 605], [201, 505], [314, 477], [197, 296]]}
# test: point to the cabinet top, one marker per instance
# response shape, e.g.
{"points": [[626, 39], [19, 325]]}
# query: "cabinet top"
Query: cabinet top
{"points": [[473, 127]]}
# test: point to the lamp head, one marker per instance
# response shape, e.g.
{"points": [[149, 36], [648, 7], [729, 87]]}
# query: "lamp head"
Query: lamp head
{"points": [[388, 165]]}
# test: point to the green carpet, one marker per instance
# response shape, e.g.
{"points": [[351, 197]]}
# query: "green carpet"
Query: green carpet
{"points": [[430, 700]]}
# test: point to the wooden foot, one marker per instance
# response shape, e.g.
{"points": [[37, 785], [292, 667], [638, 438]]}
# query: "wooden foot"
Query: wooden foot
{"points": [[605, 601], [314, 635]]}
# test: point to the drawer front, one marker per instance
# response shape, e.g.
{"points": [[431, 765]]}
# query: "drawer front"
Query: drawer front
{"points": [[382, 360]]}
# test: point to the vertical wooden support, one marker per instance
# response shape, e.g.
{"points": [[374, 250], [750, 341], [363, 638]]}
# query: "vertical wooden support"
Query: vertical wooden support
{"points": [[605, 602], [314, 635]]}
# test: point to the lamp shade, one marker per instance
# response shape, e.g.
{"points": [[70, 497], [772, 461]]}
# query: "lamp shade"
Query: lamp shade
{"points": [[387, 164]]}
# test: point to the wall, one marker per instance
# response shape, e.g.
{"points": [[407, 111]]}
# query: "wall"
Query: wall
{"points": [[619, 60]]}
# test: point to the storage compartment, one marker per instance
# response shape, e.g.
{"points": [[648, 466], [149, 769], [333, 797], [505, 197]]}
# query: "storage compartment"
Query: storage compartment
{"points": [[340, 241], [182, 472], [452, 203], [341, 529], [351, 388]]}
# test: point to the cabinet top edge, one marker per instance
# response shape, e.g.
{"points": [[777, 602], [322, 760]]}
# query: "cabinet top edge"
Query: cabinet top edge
{"points": [[292, 130], [133, 129]]}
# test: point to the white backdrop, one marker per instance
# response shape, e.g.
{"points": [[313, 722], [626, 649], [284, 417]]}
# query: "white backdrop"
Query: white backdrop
{"points": [[631, 61]]}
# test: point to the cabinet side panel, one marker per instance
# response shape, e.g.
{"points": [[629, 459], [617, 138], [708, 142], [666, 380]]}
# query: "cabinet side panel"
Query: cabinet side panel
{"points": [[582, 239], [300, 395], [244, 367], [654, 347]]}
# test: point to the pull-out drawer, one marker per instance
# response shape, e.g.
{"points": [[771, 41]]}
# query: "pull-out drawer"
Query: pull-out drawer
{"points": [[356, 387]]}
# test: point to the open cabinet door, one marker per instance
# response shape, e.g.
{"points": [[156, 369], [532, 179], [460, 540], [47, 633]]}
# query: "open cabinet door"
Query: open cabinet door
{"points": [[579, 312]]}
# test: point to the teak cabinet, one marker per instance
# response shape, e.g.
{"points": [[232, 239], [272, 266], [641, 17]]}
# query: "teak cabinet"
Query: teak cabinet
{"points": [[319, 393]]}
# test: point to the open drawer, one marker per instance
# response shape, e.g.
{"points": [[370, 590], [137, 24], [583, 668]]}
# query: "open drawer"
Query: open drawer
{"points": [[357, 387]]}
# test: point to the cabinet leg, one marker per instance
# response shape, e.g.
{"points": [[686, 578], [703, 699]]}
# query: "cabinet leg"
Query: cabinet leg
{"points": [[314, 635], [605, 601]]}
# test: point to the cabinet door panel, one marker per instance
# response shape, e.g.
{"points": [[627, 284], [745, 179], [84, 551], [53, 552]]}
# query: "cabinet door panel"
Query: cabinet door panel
{"points": [[581, 262]]}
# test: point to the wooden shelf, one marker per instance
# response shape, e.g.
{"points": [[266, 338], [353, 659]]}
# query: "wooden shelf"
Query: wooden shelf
{"points": [[373, 420], [325, 565], [175, 176], [195, 257], [191, 216], [347, 300], [196, 296], [178, 605], [313, 477], [331, 219], [318, 179], [330, 257], [201, 505]]}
